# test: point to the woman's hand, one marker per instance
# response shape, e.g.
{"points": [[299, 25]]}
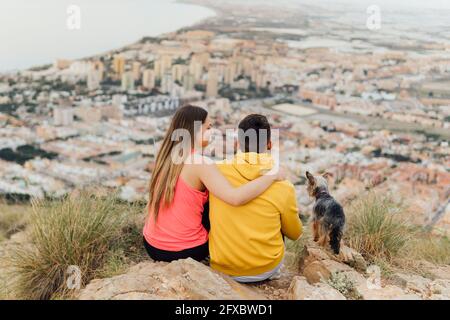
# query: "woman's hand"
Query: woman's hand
{"points": [[278, 173], [281, 175]]}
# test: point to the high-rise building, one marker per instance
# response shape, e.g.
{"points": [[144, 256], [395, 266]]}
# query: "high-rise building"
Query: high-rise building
{"points": [[259, 78], [62, 116], [148, 79], [157, 68], [188, 82], [136, 70], [221, 70], [201, 58], [99, 66], [230, 73], [127, 81], [212, 84], [247, 67], [167, 83], [93, 79], [162, 65], [178, 71], [196, 69], [119, 65]]}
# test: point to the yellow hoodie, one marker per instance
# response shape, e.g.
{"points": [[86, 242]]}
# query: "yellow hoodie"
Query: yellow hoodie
{"points": [[248, 240]]}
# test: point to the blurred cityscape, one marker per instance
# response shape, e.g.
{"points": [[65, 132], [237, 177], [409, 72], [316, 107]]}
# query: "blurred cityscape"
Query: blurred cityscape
{"points": [[371, 107]]}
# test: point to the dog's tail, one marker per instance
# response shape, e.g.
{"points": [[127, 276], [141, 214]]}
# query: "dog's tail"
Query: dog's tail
{"points": [[335, 238]]}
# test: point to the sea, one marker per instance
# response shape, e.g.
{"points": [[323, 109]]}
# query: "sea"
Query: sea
{"points": [[37, 32]]}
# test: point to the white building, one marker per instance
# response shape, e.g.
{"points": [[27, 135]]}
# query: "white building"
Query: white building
{"points": [[127, 81], [63, 116], [148, 79]]}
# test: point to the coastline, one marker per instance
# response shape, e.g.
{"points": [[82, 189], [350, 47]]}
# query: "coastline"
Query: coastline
{"points": [[215, 13], [184, 2], [212, 13]]}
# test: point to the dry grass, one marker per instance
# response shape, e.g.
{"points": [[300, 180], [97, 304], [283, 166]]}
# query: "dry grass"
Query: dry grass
{"points": [[296, 247], [428, 247], [13, 218], [377, 228], [82, 230]]}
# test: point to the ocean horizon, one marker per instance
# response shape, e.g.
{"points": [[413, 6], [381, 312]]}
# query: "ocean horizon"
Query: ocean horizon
{"points": [[36, 33]]}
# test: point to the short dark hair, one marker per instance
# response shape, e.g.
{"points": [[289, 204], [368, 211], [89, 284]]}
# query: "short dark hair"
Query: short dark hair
{"points": [[258, 126]]}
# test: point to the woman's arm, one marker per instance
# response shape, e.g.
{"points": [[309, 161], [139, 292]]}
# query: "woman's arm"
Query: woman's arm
{"points": [[218, 185]]}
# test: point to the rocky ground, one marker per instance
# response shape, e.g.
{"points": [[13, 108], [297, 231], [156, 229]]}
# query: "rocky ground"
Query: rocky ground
{"points": [[17, 239], [318, 275], [315, 274]]}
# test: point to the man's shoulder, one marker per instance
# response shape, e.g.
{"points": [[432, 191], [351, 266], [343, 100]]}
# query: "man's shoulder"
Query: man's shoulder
{"points": [[224, 164], [284, 185]]}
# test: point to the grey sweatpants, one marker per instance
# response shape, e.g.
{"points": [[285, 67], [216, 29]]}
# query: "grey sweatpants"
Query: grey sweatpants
{"points": [[260, 277]]}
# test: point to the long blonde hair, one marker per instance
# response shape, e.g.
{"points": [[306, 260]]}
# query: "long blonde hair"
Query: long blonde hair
{"points": [[166, 172]]}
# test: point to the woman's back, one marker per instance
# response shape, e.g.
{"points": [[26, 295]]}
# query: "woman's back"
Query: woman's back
{"points": [[179, 226]]}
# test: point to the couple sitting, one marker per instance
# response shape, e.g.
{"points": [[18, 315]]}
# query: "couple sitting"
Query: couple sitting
{"points": [[249, 210]]}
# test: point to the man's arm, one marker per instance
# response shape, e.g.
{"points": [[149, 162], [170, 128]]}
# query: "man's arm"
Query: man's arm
{"points": [[291, 226]]}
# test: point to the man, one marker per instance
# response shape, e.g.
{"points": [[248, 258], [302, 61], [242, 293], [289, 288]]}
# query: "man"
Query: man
{"points": [[247, 242]]}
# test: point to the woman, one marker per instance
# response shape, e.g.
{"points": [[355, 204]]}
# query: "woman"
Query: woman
{"points": [[179, 190]]}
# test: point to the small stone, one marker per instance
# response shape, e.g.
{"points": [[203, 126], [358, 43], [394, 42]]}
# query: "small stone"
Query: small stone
{"points": [[353, 258]]}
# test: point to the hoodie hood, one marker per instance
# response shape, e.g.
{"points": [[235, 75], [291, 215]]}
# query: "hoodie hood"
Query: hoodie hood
{"points": [[252, 165]]}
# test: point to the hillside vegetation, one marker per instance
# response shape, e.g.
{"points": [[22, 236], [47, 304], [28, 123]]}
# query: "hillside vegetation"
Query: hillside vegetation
{"points": [[98, 234], [101, 235]]}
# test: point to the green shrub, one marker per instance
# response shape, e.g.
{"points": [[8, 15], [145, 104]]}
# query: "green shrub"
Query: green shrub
{"points": [[296, 247], [344, 285], [82, 230]]}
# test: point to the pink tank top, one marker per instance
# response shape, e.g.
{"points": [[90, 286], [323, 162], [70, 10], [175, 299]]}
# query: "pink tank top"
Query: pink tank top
{"points": [[179, 226]]}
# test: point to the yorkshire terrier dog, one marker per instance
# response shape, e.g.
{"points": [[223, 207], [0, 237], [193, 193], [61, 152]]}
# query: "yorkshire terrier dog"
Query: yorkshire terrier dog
{"points": [[328, 217]]}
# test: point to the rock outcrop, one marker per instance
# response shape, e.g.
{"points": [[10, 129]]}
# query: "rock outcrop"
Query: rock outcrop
{"points": [[436, 272], [182, 279], [319, 266], [300, 289], [426, 288], [319, 276], [346, 256]]}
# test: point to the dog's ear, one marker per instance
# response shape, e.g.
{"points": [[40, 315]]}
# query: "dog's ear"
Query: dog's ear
{"points": [[327, 175], [310, 178]]}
